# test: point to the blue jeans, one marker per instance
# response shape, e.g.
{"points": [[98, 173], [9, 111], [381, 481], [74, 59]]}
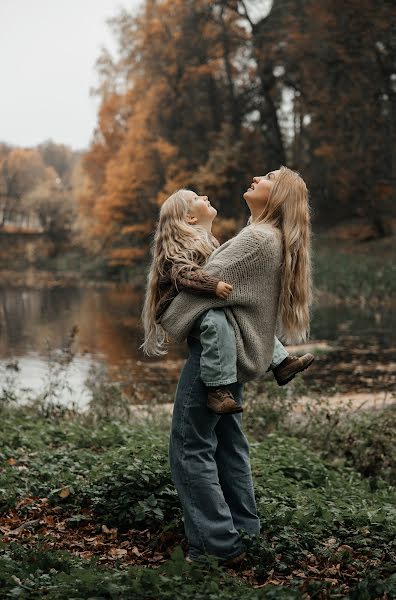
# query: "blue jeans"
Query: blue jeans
{"points": [[279, 354], [219, 355], [210, 467]]}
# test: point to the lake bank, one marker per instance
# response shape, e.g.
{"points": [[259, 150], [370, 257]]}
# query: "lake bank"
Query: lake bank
{"points": [[352, 325], [344, 270]]}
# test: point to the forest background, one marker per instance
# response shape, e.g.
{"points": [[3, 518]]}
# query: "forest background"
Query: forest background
{"points": [[205, 95], [202, 95]]}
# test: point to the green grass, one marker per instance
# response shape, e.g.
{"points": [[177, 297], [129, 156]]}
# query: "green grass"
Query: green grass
{"points": [[61, 576], [355, 271], [323, 525]]}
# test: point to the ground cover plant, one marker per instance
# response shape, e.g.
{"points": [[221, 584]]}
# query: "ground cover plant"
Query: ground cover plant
{"points": [[88, 509], [354, 272]]}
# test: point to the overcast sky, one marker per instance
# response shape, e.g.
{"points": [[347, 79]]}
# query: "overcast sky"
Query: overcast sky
{"points": [[48, 50]]}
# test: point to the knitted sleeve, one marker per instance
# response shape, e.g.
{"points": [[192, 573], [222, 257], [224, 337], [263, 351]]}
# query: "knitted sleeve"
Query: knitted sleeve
{"points": [[197, 281]]}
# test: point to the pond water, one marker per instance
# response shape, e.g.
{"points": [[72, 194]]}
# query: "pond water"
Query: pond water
{"points": [[35, 322]]}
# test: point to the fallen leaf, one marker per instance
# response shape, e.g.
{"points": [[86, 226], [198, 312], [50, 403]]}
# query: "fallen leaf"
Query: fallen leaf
{"points": [[65, 492], [345, 548], [85, 554], [330, 542], [26, 525], [117, 552]]}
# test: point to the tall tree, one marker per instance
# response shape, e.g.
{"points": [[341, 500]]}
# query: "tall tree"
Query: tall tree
{"points": [[336, 58], [176, 74]]}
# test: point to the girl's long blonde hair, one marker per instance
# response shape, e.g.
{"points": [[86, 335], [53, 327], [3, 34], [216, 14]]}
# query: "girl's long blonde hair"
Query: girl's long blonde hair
{"points": [[288, 209], [176, 244]]}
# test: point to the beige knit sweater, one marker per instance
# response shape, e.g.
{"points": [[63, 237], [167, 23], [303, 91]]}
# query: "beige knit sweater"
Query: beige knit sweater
{"points": [[251, 263]]}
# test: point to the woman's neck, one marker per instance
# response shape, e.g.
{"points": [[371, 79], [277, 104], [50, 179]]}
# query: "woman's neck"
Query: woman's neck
{"points": [[255, 214]]}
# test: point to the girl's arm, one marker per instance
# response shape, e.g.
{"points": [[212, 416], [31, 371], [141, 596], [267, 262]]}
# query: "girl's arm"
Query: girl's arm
{"points": [[197, 281]]}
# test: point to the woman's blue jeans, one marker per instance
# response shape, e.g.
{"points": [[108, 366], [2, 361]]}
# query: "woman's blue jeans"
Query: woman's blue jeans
{"points": [[210, 467]]}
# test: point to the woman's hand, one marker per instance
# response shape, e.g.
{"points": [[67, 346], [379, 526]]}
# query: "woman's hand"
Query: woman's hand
{"points": [[223, 289]]}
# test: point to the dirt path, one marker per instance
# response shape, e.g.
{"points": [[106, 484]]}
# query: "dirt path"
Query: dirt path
{"points": [[350, 401]]}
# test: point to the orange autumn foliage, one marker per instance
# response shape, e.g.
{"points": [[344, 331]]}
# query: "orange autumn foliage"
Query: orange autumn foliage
{"points": [[206, 95]]}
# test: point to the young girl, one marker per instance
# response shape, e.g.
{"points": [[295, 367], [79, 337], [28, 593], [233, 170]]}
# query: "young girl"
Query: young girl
{"points": [[183, 242]]}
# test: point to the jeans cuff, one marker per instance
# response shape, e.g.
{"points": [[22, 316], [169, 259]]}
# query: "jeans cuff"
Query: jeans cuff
{"points": [[217, 383]]}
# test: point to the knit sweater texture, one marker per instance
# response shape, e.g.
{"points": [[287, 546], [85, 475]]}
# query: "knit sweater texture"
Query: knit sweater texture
{"points": [[251, 263], [196, 281]]}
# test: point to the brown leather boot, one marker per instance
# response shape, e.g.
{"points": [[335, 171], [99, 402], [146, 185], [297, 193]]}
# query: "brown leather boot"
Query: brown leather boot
{"points": [[292, 365], [235, 561], [222, 402]]}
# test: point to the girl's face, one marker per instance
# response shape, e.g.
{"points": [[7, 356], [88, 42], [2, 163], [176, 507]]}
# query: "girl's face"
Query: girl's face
{"points": [[257, 195], [200, 210]]}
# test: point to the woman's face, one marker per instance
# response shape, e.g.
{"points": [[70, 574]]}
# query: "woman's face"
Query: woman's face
{"points": [[200, 209], [257, 195]]}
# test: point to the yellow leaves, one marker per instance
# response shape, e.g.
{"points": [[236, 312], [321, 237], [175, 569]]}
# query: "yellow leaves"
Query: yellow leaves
{"points": [[126, 256], [117, 552], [64, 492], [165, 150], [202, 70], [325, 150], [138, 229], [154, 127]]}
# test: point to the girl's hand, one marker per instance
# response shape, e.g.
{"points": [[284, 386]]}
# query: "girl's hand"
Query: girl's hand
{"points": [[223, 289]]}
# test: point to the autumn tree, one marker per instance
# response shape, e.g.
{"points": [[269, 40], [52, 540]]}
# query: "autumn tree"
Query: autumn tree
{"points": [[37, 187], [179, 91], [206, 95], [338, 62], [20, 171]]}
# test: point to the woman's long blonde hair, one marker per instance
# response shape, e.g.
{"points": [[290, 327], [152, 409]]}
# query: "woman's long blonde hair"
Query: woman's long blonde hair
{"points": [[288, 209], [176, 244]]}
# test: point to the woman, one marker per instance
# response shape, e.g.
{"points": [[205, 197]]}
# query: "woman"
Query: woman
{"points": [[268, 264]]}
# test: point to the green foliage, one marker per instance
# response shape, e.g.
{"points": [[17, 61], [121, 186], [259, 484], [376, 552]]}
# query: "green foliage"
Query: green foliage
{"points": [[315, 514], [135, 487], [354, 273], [366, 441], [52, 453], [60, 576], [267, 406]]}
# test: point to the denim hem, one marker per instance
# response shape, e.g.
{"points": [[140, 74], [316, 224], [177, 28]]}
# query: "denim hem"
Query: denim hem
{"points": [[225, 382]]}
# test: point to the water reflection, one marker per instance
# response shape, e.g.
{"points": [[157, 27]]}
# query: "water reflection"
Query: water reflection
{"points": [[34, 321], [29, 379], [108, 319]]}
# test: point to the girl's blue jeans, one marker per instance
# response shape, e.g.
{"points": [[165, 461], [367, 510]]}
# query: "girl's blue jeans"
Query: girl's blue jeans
{"points": [[219, 356], [210, 467]]}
